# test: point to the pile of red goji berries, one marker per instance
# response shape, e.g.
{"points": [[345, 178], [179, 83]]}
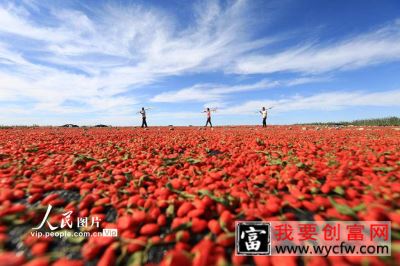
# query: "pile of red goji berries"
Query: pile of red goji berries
{"points": [[174, 195]]}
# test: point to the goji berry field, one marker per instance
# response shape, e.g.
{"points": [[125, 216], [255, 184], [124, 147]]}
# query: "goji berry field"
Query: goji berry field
{"points": [[174, 194]]}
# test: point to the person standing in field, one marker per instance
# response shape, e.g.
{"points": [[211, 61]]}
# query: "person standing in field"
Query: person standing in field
{"points": [[143, 113], [263, 112], [208, 111]]}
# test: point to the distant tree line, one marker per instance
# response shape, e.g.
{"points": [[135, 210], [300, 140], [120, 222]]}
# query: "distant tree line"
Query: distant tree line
{"points": [[387, 121]]}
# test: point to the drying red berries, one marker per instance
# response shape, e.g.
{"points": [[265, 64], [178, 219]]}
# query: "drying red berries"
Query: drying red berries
{"points": [[184, 189]]}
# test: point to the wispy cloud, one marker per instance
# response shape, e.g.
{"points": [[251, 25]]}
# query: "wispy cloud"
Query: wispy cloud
{"points": [[69, 60], [329, 101], [94, 59], [208, 92], [375, 47], [215, 92]]}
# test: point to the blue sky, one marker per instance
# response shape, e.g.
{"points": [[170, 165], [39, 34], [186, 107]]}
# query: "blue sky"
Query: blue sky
{"points": [[91, 62]]}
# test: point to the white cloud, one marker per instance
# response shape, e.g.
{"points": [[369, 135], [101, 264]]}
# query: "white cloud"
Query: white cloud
{"points": [[207, 92], [58, 60], [329, 101], [375, 47], [216, 104], [216, 92], [95, 59]]}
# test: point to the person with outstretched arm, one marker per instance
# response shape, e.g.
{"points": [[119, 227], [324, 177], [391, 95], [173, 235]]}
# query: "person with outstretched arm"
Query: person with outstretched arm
{"points": [[263, 112], [208, 111], [143, 113]]}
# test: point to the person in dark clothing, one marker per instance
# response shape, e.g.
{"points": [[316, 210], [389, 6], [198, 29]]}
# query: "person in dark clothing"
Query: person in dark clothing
{"points": [[263, 112], [143, 113]]}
